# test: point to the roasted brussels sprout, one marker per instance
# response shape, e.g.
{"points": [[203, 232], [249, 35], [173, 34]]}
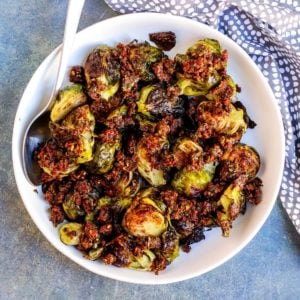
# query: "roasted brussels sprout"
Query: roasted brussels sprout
{"points": [[104, 157], [105, 200], [241, 160], [102, 73], [200, 66], [69, 233], [215, 121], [170, 244], [136, 61], [67, 99], [183, 151], [230, 205], [82, 121], [191, 183], [224, 91], [75, 135], [128, 185], [94, 254], [142, 262], [71, 209], [53, 160], [154, 176], [144, 218], [121, 253], [158, 101]]}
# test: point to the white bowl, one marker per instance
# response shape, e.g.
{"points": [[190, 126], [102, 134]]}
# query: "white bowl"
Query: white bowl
{"points": [[267, 138]]}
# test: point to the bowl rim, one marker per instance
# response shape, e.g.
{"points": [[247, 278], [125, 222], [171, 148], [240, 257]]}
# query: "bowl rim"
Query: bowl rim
{"points": [[134, 17]]}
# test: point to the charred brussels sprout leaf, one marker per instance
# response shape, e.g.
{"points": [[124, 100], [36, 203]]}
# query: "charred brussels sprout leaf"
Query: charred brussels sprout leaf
{"points": [[187, 146], [102, 73], [156, 101], [69, 233], [191, 183], [68, 99], [229, 207], [183, 150], [144, 218], [94, 254]]}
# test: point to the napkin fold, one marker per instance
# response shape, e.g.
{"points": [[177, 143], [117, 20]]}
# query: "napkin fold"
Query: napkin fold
{"points": [[269, 31]]}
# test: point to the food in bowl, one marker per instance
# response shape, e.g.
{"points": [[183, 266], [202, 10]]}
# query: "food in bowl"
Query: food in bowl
{"points": [[146, 153]]}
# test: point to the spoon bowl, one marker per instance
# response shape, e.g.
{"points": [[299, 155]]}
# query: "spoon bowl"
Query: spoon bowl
{"points": [[37, 134]]}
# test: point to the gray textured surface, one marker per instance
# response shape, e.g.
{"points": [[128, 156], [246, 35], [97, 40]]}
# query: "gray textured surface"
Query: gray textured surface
{"points": [[268, 268]]}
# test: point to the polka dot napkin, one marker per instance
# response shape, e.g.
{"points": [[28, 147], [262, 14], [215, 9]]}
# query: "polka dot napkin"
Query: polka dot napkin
{"points": [[269, 31]]}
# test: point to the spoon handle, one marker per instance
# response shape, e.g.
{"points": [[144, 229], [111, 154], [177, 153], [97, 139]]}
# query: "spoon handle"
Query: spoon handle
{"points": [[71, 25]]}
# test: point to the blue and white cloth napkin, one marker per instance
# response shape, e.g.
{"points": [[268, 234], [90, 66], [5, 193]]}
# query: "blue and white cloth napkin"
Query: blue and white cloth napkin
{"points": [[269, 31]]}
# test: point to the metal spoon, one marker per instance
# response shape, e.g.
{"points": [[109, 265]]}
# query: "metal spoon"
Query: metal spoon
{"points": [[38, 130]]}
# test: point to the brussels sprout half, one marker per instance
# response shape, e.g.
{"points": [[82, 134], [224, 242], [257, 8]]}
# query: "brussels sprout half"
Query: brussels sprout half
{"points": [[67, 99], [241, 160], [69, 233], [229, 207], [82, 121], [142, 262], [200, 66], [70, 208], [154, 176], [136, 64], [191, 183], [53, 160], [170, 244], [144, 218], [156, 101], [102, 73], [224, 122], [104, 157]]}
